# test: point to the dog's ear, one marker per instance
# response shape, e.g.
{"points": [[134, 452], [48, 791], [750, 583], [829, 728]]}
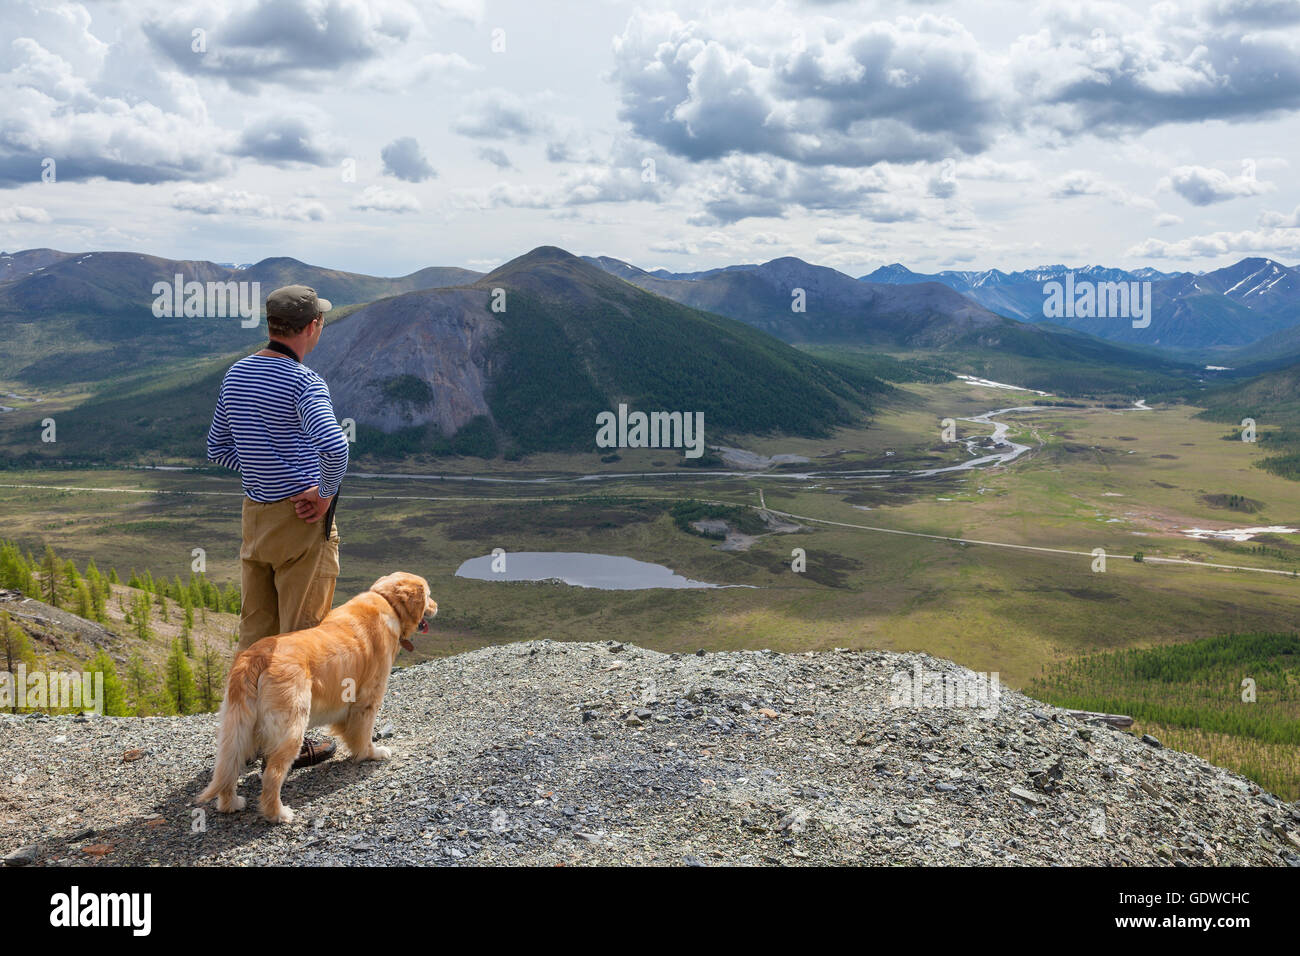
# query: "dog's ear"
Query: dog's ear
{"points": [[411, 593], [405, 592]]}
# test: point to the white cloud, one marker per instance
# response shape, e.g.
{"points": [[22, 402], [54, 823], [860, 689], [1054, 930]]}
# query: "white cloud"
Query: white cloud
{"points": [[287, 139], [399, 75], [380, 199], [23, 214], [1081, 182], [404, 159], [903, 90], [991, 170], [249, 42], [832, 237], [1281, 220], [679, 247], [209, 199], [1201, 185], [892, 128], [497, 157], [1271, 242], [53, 105], [501, 115]]}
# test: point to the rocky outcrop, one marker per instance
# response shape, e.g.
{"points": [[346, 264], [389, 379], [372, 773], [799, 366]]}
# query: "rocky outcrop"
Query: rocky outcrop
{"points": [[546, 752], [411, 360], [50, 625]]}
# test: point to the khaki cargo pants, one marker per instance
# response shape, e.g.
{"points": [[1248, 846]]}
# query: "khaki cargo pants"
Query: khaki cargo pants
{"points": [[288, 571]]}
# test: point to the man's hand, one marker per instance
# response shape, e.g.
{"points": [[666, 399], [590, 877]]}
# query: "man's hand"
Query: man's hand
{"points": [[309, 505]]}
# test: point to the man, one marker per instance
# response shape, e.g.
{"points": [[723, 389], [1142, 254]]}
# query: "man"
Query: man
{"points": [[274, 424]]}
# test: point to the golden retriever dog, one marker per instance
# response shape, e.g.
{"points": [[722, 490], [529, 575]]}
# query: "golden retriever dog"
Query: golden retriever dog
{"points": [[335, 673]]}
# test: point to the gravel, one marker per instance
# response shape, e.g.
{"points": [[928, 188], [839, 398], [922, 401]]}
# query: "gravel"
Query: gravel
{"points": [[544, 752]]}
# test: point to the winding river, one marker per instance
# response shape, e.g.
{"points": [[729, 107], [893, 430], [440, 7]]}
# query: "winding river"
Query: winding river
{"points": [[1010, 453]]}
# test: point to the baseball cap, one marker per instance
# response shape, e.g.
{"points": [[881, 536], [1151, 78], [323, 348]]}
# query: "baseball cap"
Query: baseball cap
{"points": [[296, 304]]}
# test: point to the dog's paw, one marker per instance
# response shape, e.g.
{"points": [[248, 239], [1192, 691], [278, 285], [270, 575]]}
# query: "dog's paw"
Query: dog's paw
{"points": [[380, 753], [232, 805], [285, 815]]}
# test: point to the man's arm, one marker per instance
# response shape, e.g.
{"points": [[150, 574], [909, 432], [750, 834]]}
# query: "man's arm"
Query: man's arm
{"points": [[221, 443], [316, 415]]}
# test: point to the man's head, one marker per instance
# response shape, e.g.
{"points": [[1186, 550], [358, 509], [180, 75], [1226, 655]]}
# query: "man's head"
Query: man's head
{"points": [[294, 310]]}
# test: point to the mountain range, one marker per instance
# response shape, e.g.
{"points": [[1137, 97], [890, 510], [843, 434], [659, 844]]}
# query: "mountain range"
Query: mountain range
{"points": [[76, 317], [439, 370], [1227, 308], [839, 311], [522, 358], [566, 342]]}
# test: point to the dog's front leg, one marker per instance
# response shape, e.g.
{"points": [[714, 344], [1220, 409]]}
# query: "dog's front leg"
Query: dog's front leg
{"points": [[359, 730]]}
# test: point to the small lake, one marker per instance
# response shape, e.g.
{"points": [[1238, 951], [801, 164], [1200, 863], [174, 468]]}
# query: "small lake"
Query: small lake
{"points": [[609, 572]]}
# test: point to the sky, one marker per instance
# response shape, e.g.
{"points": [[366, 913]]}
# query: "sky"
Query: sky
{"points": [[383, 136]]}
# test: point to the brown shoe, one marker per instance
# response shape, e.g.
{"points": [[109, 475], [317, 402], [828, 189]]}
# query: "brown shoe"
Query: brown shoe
{"points": [[314, 752]]}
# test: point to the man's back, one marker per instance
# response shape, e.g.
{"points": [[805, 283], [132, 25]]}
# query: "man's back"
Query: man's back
{"points": [[275, 424]]}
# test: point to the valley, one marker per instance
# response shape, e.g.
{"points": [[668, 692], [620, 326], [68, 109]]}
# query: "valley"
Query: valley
{"points": [[952, 493], [1126, 481]]}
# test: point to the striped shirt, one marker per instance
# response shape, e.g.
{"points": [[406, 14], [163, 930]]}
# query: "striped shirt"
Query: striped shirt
{"points": [[275, 425]]}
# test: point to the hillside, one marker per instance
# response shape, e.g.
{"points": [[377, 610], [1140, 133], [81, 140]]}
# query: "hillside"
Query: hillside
{"points": [[547, 753], [1190, 696], [349, 288], [838, 308], [1271, 397], [85, 317], [436, 371], [913, 316], [54, 617], [63, 640], [572, 341], [1280, 348], [1017, 295]]}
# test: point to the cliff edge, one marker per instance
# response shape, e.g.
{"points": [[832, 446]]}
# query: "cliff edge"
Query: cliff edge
{"points": [[549, 752]]}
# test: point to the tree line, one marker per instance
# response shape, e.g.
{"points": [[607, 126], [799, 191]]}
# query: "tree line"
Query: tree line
{"points": [[191, 679]]}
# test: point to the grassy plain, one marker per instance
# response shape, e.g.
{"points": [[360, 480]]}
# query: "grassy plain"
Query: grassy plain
{"points": [[1124, 481]]}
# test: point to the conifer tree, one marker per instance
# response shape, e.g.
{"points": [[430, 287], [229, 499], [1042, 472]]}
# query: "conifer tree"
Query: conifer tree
{"points": [[140, 681], [15, 648], [50, 577], [114, 692], [178, 682], [211, 677]]}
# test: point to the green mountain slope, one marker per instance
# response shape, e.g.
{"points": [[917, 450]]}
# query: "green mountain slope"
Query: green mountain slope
{"points": [[414, 370], [576, 341], [926, 318], [77, 318]]}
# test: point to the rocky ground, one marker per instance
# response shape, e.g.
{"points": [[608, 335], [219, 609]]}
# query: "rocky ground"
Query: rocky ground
{"points": [[52, 626], [546, 753]]}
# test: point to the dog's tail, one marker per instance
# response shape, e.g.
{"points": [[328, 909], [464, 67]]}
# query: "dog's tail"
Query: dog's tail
{"points": [[237, 731]]}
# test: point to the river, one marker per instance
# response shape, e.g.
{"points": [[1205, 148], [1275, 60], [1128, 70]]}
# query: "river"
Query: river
{"points": [[1006, 455]]}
